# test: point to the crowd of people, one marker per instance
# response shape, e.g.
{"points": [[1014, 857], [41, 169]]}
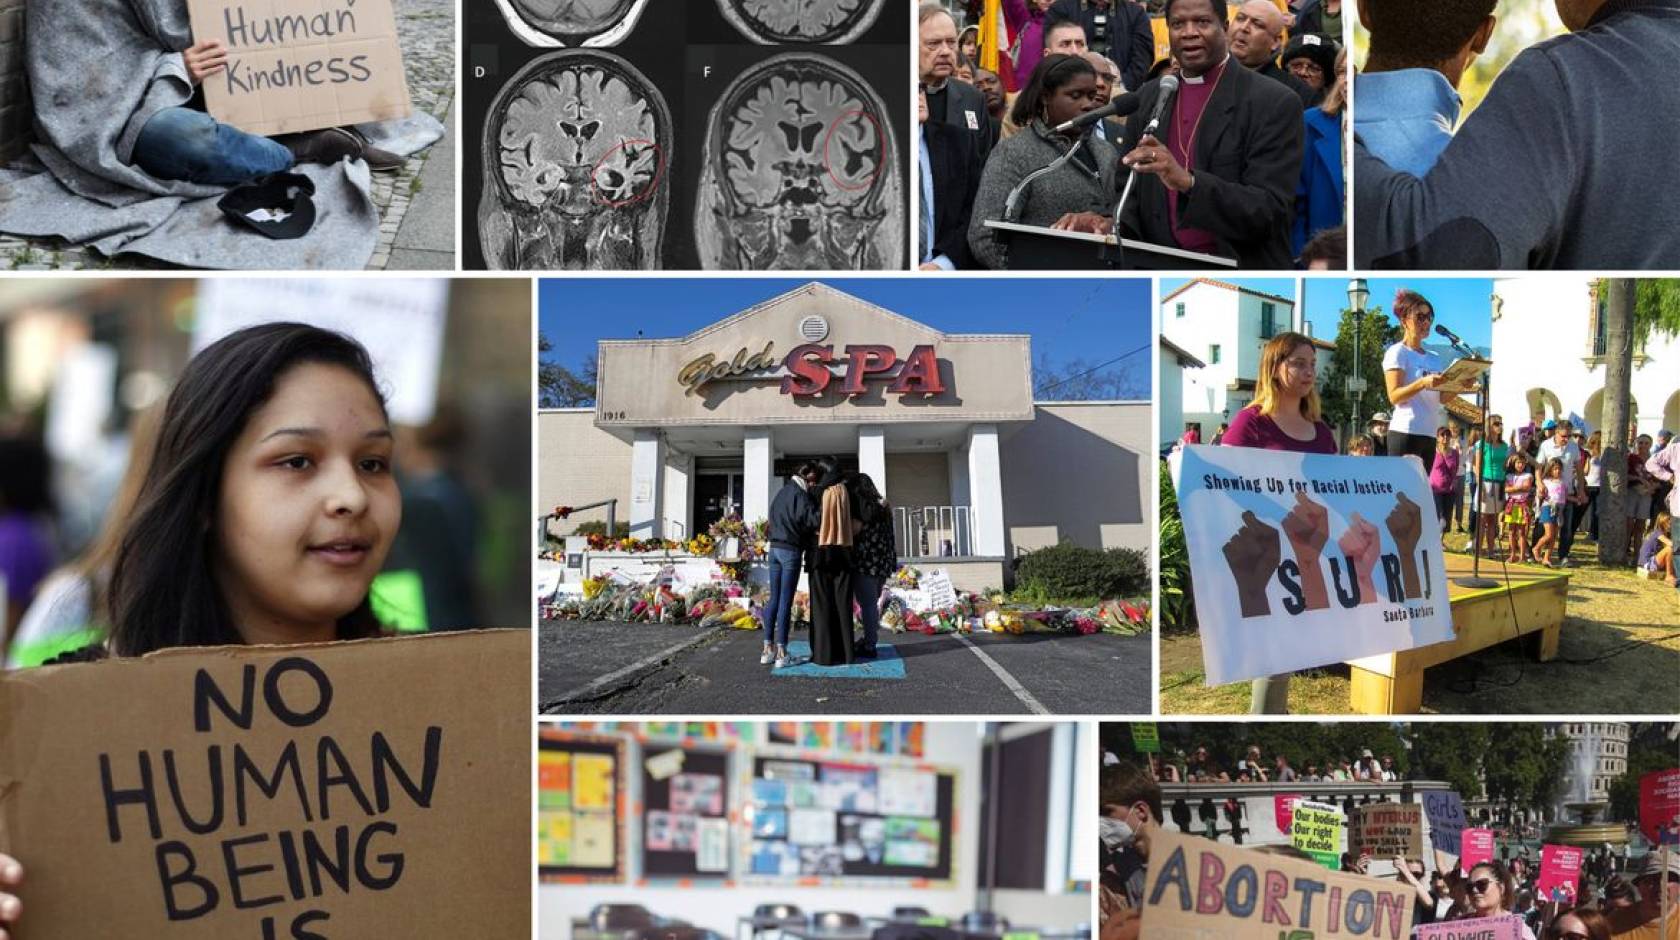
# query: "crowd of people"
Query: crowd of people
{"points": [[1616, 898], [1197, 765], [1247, 162]]}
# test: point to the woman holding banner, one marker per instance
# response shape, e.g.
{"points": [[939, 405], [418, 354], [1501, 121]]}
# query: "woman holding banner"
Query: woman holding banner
{"points": [[266, 511], [1285, 415]]}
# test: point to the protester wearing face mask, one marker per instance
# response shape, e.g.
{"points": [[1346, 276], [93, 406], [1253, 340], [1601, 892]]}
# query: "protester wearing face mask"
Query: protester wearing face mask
{"points": [[1131, 815]]}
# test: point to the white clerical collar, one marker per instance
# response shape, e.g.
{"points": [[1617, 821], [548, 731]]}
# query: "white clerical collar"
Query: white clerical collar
{"points": [[1200, 79]]}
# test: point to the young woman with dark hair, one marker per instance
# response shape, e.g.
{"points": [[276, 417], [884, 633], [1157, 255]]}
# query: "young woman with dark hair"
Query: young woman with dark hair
{"points": [[1080, 192], [267, 509]]}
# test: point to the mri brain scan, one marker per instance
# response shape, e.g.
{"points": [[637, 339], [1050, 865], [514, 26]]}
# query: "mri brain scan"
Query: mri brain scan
{"points": [[801, 21], [577, 151], [572, 23], [799, 172]]}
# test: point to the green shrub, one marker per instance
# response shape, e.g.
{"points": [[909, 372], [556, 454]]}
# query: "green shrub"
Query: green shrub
{"points": [[1178, 602], [1072, 574], [599, 527]]}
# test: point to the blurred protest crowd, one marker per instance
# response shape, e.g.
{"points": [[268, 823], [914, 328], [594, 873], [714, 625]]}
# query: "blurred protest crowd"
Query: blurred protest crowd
{"points": [[1612, 897], [1247, 162]]}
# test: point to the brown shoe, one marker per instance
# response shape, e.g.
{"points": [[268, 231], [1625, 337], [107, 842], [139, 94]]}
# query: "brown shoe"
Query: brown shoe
{"points": [[379, 161], [329, 145]]}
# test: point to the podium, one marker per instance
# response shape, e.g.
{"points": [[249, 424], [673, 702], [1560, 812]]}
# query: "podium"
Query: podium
{"points": [[1041, 248]]}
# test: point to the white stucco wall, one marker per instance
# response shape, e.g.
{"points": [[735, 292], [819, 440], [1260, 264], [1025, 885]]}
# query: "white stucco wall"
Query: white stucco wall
{"points": [[1542, 352]]}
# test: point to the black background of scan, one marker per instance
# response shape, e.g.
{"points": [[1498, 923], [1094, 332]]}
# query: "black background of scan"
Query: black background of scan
{"points": [[671, 42]]}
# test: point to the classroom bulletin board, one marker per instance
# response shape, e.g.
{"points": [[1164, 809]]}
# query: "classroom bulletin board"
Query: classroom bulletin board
{"points": [[580, 807]]}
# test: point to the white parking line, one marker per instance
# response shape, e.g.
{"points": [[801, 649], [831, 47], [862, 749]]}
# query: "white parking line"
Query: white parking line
{"points": [[1033, 704]]}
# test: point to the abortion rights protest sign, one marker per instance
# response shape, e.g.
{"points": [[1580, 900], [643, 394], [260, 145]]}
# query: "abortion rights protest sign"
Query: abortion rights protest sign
{"points": [[300, 65], [1445, 812], [1478, 848], [1318, 832], [1560, 872], [1659, 806], [1384, 830], [1305, 559], [377, 788], [1197, 888], [1505, 927]]}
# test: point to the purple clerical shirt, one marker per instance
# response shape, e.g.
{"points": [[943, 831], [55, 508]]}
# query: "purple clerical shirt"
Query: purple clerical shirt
{"points": [[1193, 95]]}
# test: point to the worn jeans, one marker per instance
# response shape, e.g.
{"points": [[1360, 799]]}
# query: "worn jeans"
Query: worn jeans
{"points": [[784, 582], [193, 147], [867, 591]]}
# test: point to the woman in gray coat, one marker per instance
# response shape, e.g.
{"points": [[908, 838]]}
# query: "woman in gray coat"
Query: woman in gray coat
{"points": [[1062, 88]]}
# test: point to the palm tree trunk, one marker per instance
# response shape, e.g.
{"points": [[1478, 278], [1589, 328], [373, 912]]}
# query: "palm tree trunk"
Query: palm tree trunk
{"points": [[1613, 496]]}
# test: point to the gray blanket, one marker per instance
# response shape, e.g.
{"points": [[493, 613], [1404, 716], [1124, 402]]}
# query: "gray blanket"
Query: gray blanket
{"points": [[98, 70]]}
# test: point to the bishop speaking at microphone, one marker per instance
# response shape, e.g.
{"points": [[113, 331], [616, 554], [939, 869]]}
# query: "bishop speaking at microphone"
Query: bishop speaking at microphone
{"points": [[1217, 174]]}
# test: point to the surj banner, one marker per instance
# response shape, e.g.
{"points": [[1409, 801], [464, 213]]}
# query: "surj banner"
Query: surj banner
{"points": [[1300, 560]]}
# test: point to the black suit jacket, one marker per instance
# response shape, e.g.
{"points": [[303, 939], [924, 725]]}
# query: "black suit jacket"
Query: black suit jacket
{"points": [[956, 169], [962, 100], [1246, 167]]}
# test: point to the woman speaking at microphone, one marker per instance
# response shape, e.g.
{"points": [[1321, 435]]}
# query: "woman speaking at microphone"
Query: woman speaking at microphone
{"points": [[1062, 88]]}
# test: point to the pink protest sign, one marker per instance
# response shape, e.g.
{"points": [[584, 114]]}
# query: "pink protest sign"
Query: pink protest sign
{"points": [[1283, 807], [1560, 871], [1505, 927], [1478, 848], [1659, 806]]}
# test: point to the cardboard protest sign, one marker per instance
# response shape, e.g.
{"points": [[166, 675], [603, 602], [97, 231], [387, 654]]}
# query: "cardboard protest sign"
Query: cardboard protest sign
{"points": [[1477, 848], [1659, 806], [1305, 559], [1146, 737], [1504, 927], [1445, 812], [1196, 888], [378, 788], [1384, 830], [300, 65], [1560, 872], [1318, 832]]}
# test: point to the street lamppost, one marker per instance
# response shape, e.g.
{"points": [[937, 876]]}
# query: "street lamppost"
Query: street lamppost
{"points": [[1358, 293]]}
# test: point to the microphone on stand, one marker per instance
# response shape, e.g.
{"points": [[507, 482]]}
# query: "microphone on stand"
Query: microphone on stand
{"points": [[1458, 344], [1169, 88], [1119, 107]]}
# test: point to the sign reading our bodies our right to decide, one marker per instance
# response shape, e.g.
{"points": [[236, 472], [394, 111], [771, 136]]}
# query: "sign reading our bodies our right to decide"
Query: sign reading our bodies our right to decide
{"points": [[1300, 560]]}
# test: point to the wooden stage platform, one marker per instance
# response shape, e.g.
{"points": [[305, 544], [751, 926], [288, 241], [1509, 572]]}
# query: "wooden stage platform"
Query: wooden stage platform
{"points": [[1392, 684]]}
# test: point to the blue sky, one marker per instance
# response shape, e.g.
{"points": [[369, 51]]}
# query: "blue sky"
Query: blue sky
{"points": [[1088, 319], [1461, 304]]}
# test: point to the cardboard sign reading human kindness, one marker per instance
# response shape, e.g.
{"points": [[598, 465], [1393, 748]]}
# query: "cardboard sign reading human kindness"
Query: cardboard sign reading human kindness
{"points": [[1659, 806], [1384, 830], [1197, 888], [378, 788], [1505, 927], [300, 65], [1305, 559]]}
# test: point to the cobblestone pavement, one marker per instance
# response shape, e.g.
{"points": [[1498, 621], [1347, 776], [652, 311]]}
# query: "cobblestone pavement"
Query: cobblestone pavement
{"points": [[426, 30]]}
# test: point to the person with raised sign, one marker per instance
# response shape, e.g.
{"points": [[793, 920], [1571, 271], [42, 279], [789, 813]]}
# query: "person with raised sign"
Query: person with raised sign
{"points": [[266, 511], [1284, 415]]}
